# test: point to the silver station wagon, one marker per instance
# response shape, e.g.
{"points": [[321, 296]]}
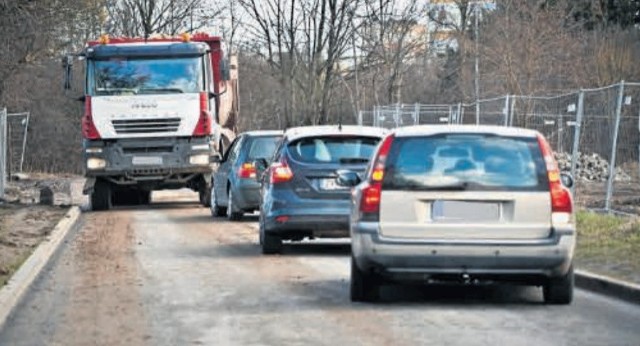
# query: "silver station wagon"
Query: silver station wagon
{"points": [[462, 203]]}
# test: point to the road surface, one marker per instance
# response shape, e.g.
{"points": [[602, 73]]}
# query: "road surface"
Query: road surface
{"points": [[169, 274]]}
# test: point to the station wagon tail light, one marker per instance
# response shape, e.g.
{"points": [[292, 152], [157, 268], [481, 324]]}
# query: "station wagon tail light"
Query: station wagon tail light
{"points": [[280, 172], [89, 130], [372, 191], [561, 200], [247, 170], [204, 124]]}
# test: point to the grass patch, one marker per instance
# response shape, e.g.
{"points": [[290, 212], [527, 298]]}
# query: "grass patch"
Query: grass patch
{"points": [[7, 270], [609, 245]]}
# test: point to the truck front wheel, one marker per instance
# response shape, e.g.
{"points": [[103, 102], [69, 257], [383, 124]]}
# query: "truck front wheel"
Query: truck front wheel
{"points": [[101, 197]]}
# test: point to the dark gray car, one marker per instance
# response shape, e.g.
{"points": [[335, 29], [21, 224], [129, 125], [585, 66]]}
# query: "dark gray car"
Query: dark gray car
{"points": [[300, 196], [234, 189]]}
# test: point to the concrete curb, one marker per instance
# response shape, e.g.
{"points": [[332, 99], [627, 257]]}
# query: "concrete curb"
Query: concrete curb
{"points": [[608, 286], [20, 282]]}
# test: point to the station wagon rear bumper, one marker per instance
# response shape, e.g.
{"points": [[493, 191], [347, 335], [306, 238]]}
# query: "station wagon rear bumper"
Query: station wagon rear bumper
{"points": [[421, 259]]}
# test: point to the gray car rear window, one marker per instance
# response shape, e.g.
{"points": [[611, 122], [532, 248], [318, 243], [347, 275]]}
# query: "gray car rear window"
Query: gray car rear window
{"points": [[465, 161], [263, 147], [333, 149]]}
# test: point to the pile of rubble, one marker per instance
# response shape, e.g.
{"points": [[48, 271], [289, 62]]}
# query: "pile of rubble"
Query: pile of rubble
{"points": [[590, 167]]}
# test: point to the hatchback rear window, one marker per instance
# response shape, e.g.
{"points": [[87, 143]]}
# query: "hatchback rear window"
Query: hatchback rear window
{"points": [[465, 162], [333, 149], [263, 147]]}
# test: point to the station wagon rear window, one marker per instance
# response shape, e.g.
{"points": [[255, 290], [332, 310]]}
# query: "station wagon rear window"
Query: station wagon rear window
{"points": [[333, 149], [465, 162]]}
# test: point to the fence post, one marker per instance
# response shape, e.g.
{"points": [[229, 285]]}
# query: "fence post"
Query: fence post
{"points": [[416, 114], [396, 116], [614, 147], [477, 112], [360, 118], [576, 139], [505, 111], [512, 109], [375, 116], [3, 151], [24, 141], [459, 117]]}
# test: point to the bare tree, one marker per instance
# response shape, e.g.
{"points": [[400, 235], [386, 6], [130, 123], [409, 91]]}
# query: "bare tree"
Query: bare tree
{"points": [[304, 41], [392, 39], [147, 17]]}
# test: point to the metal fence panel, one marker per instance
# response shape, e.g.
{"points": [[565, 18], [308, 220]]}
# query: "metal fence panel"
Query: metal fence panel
{"points": [[17, 130], [595, 133]]}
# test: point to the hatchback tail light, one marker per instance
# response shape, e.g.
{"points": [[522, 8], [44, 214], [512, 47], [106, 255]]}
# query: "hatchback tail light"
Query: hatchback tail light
{"points": [[247, 170], [561, 200], [203, 126], [372, 191], [89, 130], [280, 172]]}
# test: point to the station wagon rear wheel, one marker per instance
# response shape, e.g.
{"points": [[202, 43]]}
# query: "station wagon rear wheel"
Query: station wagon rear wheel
{"points": [[559, 291], [365, 286]]}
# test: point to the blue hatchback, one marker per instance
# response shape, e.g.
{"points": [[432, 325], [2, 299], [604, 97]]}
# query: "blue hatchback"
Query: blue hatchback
{"points": [[300, 196]]}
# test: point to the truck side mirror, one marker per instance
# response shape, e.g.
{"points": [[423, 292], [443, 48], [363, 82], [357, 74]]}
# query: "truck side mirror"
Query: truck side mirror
{"points": [[67, 65], [225, 71]]}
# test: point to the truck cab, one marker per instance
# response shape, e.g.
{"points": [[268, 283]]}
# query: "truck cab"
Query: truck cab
{"points": [[151, 116]]}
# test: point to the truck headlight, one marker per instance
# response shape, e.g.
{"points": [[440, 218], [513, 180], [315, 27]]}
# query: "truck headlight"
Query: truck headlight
{"points": [[199, 159], [96, 163]]}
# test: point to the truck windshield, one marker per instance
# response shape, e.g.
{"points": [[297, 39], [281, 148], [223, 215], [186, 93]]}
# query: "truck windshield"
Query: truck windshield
{"points": [[121, 76]]}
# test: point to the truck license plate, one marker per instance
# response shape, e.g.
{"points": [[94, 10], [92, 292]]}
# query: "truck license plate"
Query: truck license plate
{"points": [[147, 160]]}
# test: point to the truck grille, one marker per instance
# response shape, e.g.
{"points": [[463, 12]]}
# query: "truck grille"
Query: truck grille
{"points": [[146, 125]]}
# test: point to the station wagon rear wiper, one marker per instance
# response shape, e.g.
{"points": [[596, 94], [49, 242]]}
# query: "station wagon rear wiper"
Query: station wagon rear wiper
{"points": [[461, 186]]}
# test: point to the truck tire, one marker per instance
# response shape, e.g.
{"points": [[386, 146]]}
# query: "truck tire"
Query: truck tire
{"points": [[101, 197], [144, 197], [364, 286], [559, 291], [204, 193]]}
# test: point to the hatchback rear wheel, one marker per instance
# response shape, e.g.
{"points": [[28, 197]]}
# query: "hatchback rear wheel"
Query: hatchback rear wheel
{"points": [[365, 286], [559, 291], [232, 214], [216, 209]]}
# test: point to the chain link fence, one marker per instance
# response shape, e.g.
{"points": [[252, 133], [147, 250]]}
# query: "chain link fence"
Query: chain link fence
{"points": [[595, 133]]}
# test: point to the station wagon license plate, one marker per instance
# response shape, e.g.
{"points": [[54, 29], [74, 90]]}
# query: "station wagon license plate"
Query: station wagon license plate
{"points": [[465, 211], [147, 160]]}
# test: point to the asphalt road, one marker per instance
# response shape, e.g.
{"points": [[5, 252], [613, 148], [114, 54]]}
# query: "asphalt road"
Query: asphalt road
{"points": [[169, 274]]}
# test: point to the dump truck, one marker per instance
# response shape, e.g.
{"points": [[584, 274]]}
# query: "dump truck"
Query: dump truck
{"points": [[156, 112]]}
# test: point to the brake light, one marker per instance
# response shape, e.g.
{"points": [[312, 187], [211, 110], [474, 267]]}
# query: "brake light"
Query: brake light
{"points": [[89, 130], [372, 192], [561, 200], [280, 172], [203, 127], [247, 170]]}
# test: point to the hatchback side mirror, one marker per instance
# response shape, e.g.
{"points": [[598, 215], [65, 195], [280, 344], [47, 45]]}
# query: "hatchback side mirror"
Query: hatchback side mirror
{"points": [[347, 178], [567, 180]]}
